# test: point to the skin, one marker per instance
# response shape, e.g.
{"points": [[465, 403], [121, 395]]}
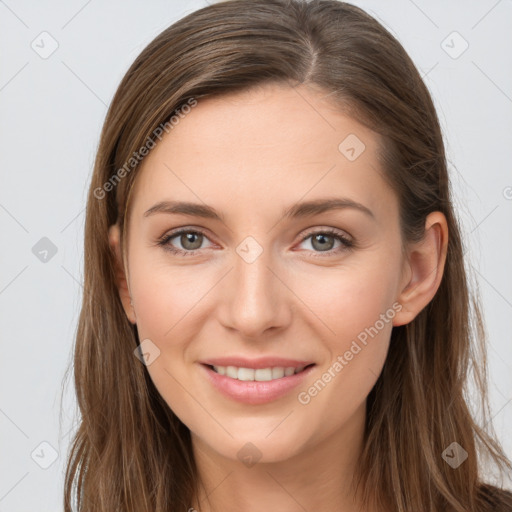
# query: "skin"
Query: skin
{"points": [[250, 155]]}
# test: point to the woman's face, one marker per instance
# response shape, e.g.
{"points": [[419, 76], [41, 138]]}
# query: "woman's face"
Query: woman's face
{"points": [[264, 279]]}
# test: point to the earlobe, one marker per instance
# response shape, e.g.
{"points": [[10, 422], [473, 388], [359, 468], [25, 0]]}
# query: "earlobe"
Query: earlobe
{"points": [[426, 262], [114, 237]]}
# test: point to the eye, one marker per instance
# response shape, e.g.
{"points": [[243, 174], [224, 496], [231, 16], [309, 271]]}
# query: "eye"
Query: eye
{"points": [[190, 240], [323, 241]]}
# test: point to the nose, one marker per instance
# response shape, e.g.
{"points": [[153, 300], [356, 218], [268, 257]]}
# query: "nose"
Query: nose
{"points": [[256, 299]]}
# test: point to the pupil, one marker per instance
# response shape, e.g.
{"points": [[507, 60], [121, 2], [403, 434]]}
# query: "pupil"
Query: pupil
{"points": [[322, 238], [189, 238]]}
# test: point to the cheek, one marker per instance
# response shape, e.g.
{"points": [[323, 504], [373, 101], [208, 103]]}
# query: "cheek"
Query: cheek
{"points": [[166, 300], [348, 300], [355, 307], [164, 296], [360, 314]]}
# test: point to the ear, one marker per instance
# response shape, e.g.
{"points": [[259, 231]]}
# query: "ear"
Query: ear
{"points": [[114, 237], [426, 260]]}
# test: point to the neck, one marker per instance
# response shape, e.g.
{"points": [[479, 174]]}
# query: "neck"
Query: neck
{"points": [[319, 477]]}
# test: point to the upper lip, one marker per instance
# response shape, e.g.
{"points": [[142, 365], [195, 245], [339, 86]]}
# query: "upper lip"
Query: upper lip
{"points": [[260, 362]]}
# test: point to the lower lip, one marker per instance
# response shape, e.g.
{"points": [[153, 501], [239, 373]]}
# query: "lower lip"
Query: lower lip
{"points": [[255, 392]]}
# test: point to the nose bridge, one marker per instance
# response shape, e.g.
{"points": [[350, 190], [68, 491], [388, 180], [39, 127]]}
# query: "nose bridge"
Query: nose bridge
{"points": [[257, 298]]}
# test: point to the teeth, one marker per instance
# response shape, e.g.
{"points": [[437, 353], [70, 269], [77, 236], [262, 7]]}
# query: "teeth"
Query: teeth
{"points": [[277, 372], [260, 374], [245, 374], [232, 372]]}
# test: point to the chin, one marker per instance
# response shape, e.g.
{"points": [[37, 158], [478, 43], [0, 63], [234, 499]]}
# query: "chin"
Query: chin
{"points": [[256, 445]]}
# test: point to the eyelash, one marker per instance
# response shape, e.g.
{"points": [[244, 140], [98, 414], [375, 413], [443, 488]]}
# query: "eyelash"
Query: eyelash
{"points": [[346, 243]]}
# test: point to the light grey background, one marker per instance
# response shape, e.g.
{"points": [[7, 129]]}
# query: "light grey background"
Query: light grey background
{"points": [[52, 110]]}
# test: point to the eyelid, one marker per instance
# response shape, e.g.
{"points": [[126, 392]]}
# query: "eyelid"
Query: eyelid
{"points": [[166, 237], [327, 230], [346, 241]]}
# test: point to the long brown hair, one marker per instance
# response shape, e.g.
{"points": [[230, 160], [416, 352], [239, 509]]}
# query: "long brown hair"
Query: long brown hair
{"points": [[130, 452]]}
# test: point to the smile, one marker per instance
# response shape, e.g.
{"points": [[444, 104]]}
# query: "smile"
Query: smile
{"points": [[259, 374], [256, 386]]}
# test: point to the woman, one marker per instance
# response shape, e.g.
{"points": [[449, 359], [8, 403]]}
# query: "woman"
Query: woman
{"points": [[276, 312]]}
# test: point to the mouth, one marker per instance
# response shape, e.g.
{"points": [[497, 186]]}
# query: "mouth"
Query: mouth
{"points": [[256, 386], [258, 374]]}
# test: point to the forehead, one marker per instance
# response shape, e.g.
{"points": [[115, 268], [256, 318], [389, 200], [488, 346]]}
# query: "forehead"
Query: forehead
{"points": [[253, 147]]}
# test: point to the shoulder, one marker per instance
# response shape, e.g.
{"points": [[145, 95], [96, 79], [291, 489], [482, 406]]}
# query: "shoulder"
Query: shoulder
{"points": [[495, 499]]}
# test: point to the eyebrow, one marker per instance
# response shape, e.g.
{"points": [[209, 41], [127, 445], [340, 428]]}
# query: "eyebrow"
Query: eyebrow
{"points": [[304, 209]]}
